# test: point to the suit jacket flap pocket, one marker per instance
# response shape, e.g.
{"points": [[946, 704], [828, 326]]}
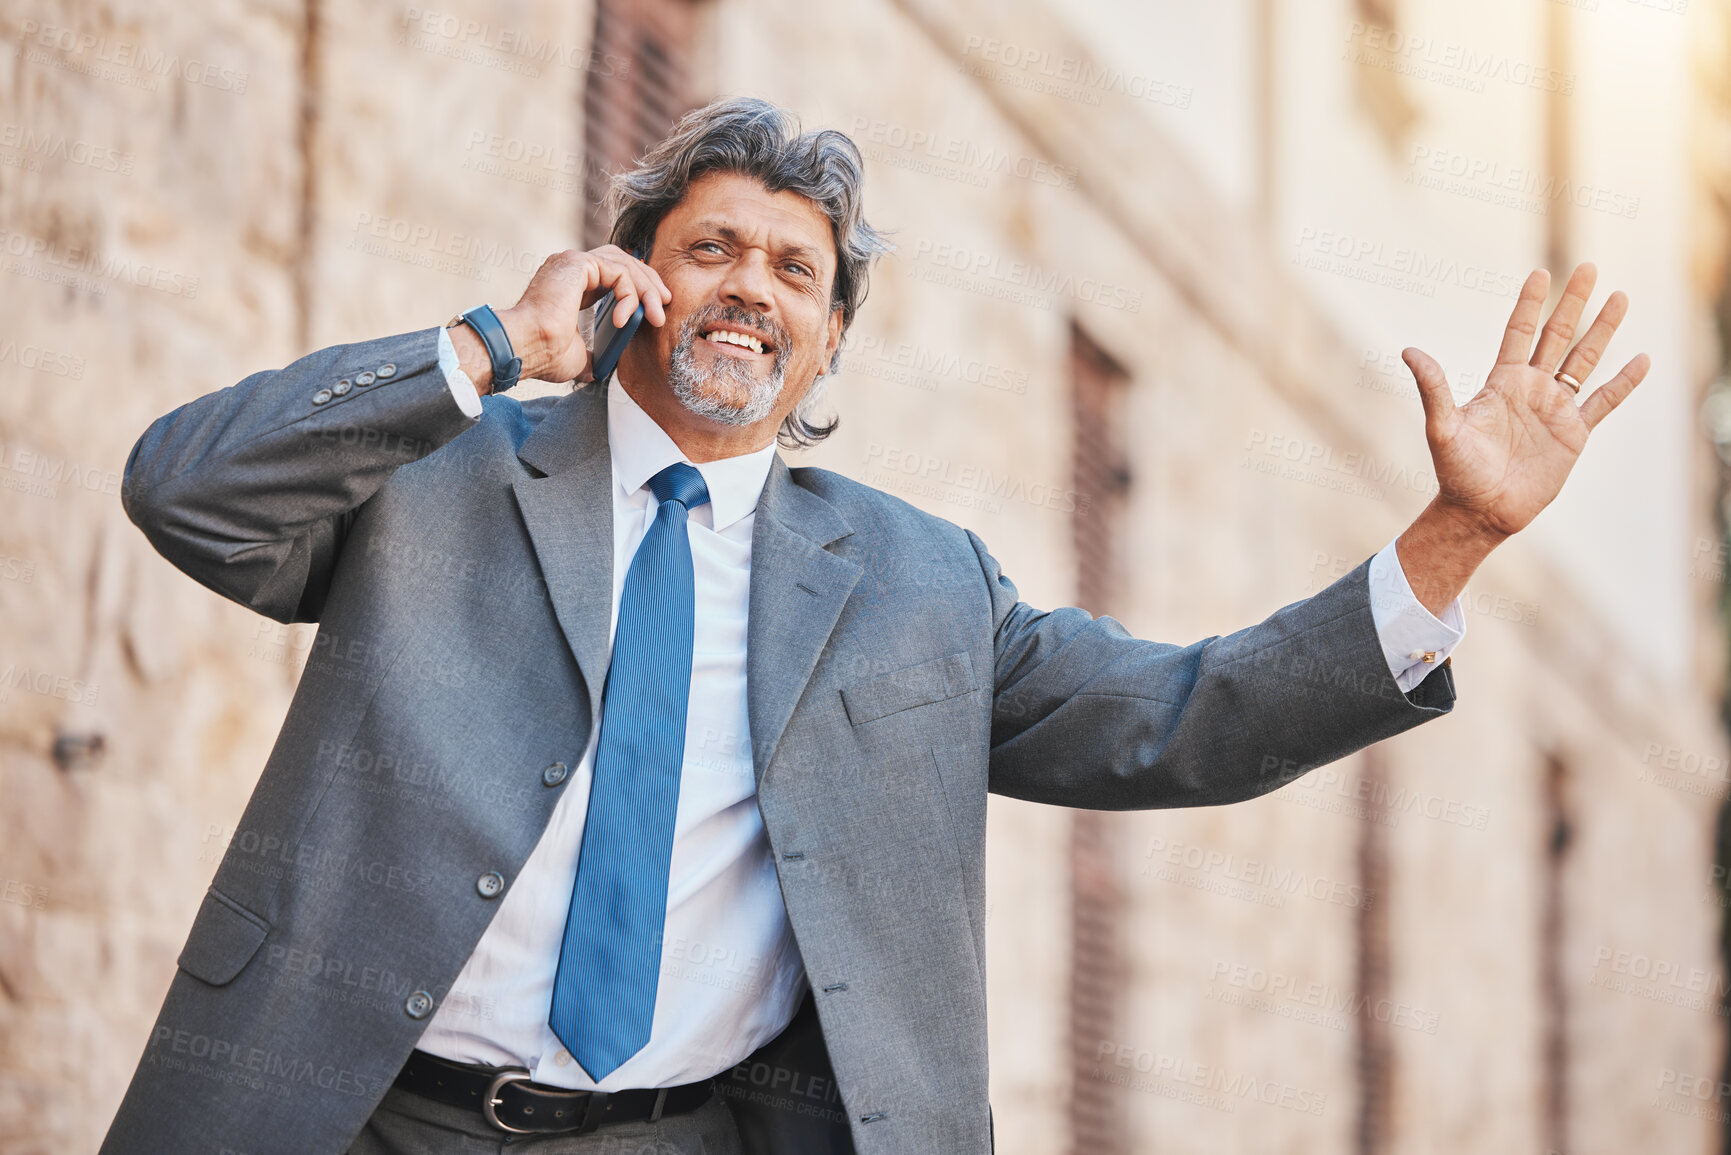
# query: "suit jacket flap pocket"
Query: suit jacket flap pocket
{"points": [[915, 686], [225, 935]]}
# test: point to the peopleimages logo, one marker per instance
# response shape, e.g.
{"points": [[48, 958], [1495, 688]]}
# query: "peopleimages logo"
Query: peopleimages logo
{"points": [[1311, 459], [1230, 1086], [1071, 77], [29, 356], [40, 253], [1030, 282], [1399, 267], [40, 475], [1388, 803], [953, 157], [888, 461], [40, 146], [48, 684], [462, 37], [878, 357], [1167, 857], [1282, 994], [1668, 982], [1443, 62], [90, 52], [1511, 186], [434, 247]]}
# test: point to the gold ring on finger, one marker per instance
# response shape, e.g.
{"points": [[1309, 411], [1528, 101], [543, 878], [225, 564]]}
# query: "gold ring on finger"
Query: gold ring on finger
{"points": [[1574, 385]]}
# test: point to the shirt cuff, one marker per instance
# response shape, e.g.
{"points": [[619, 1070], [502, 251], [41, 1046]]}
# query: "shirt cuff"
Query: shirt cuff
{"points": [[1414, 640], [463, 390]]}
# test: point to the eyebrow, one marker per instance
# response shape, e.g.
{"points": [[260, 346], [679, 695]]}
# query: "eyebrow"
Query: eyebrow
{"points": [[732, 235]]}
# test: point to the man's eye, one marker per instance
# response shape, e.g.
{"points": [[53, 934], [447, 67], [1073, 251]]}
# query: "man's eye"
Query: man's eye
{"points": [[707, 246], [797, 269]]}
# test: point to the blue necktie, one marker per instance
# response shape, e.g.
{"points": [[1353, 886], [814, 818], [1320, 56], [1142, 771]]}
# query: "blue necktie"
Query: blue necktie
{"points": [[610, 959]]}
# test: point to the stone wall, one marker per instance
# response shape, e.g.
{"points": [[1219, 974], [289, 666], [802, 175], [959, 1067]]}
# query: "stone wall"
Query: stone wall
{"points": [[188, 195]]}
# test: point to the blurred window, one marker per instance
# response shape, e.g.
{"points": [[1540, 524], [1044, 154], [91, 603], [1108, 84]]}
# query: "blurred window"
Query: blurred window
{"points": [[1375, 56], [1100, 472], [640, 82]]}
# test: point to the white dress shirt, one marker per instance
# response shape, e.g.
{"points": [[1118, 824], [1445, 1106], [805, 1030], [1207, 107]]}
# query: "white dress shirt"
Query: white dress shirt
{"points": [[1414, 640], [731, 973]]}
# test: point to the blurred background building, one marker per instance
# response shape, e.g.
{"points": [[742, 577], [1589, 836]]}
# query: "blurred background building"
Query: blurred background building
{"points": [[1157, 262]]}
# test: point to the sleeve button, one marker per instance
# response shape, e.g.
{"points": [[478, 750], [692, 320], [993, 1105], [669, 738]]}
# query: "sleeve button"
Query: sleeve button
{"points": [[342, 387], [321, 396], [363, 379], [387, 371], [490, 885], [418, 1005]]}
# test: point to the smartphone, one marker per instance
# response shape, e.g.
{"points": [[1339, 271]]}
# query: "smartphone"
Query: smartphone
{"points": [[610, 340]]}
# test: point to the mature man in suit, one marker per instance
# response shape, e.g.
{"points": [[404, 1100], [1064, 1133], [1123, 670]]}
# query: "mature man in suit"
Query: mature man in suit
{"points": [[631, 766]]}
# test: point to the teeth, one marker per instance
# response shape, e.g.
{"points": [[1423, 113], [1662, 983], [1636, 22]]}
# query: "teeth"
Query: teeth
{"points": [[744, 340]]}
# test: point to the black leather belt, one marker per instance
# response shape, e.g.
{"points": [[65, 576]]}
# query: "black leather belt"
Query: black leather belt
{"points": [[508, 1100]]}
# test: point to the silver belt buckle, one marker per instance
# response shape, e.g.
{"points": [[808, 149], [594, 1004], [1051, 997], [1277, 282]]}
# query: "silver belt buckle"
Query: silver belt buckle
{"points": [[491, 1099]]}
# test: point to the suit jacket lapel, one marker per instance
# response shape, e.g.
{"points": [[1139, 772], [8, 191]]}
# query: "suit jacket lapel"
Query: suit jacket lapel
{"points": [[569, 514], [797, 587], [797, 592]]}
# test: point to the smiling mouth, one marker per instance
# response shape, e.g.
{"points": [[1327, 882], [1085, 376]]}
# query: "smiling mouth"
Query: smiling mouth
{"points": [[737, 341]]}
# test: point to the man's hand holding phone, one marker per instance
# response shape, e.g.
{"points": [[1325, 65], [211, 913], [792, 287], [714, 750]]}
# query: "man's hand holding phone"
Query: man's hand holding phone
{"points": [[544, 324]]}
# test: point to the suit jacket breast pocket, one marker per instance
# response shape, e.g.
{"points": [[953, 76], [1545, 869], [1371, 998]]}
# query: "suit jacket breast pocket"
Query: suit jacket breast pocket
{"points": [[934, 681], [224, 937]]}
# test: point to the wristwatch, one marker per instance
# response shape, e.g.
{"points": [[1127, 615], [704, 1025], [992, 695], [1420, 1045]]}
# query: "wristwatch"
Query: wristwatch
{"points": [[507, 366]]}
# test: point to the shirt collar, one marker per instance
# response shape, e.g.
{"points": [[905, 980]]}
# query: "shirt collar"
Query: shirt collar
{"points": [[641, 449]]}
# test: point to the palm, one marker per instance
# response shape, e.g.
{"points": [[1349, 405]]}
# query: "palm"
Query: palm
{"points": [[1504, 455], [1507, 451]]}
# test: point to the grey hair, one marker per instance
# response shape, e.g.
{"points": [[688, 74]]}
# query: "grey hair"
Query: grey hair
{"points": [[755, 138]]}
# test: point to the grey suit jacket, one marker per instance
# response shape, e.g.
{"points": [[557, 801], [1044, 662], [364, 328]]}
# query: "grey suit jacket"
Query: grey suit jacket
{"points": [[460, 574]]}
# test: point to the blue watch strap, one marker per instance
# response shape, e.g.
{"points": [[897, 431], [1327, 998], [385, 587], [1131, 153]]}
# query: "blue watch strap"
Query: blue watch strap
{"points": [[507, 366]]}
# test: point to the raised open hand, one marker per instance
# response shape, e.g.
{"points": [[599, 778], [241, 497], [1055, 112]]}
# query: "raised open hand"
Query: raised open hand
{"points": [[1503, 456]]}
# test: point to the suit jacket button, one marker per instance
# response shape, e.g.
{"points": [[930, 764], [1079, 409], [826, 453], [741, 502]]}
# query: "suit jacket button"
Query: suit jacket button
{"points": [[342, 387], [554, 774], [321, 396], [418, 1005], [490, 885], [387, 371], [363, 379]]}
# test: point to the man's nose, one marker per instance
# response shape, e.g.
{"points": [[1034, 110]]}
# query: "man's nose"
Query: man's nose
{"points": [[749, 283]]}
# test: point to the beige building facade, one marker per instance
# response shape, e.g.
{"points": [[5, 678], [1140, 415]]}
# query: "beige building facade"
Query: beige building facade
{"points": [[1155, 266]]}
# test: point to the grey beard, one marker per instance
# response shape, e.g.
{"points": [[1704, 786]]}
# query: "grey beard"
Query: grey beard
{"points": [[696, 390]]}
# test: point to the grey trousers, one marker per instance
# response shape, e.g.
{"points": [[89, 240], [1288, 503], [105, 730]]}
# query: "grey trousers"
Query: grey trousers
{"points": [[406, 1124]]}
